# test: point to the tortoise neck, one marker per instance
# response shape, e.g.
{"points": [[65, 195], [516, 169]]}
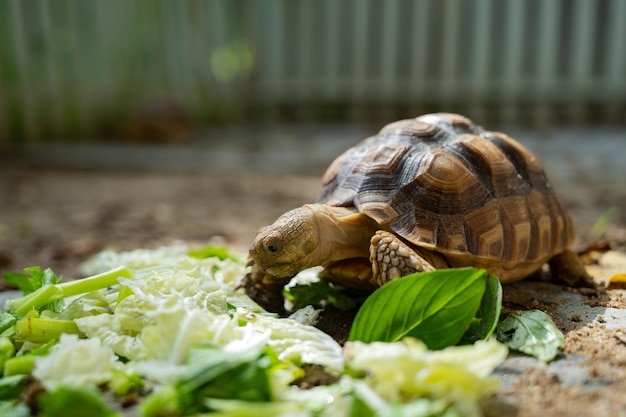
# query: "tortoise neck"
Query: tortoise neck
{"points": [[344, 233]]}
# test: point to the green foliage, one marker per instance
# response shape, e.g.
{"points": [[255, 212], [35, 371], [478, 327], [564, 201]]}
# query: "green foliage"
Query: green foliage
{"points": [[532, 332], [213, 251], [75, 402], [436, 307], [488, 314], [318, 293]]}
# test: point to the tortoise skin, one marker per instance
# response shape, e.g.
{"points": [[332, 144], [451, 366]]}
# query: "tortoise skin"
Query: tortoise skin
{"points": [[444, 184]]}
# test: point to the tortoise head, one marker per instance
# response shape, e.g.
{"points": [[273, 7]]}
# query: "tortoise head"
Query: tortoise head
{"points": [[288, 245]]}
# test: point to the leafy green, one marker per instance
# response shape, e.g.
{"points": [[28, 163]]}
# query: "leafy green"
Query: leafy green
{"points": [[213, 251], [488, 314], [316, 293], [435, 307], [34, 279], [33, 328], [23, 364], [405, 371], [215, 373], [12, 386], [7, 319], [10, 409], [175, 330], [21, 280], [50, 292], [7, 351], [211, 374], [532, 332], [31, 279], [75, 402]]}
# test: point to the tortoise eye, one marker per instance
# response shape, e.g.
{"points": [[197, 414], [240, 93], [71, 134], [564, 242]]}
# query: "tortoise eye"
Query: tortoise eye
{"points": [[273, 247]]}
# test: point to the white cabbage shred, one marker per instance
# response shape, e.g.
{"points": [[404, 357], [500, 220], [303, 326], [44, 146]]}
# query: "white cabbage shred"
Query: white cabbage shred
{"points": [[175, 303]]}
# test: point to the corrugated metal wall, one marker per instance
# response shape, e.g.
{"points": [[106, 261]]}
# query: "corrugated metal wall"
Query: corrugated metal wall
{"points": [[87, 68]]}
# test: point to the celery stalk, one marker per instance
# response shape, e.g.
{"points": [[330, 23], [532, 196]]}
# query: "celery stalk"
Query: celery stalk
{"points": [[38, 330], [35, 299], [93, 283], [19, 365], [52, 292]]}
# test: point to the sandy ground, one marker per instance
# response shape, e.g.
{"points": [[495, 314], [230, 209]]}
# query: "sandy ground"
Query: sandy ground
{"points": [[58, 217]]}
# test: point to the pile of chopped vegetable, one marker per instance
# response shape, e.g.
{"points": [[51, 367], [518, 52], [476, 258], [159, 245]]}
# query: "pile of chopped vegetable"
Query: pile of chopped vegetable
{"points": [[167, 332]]}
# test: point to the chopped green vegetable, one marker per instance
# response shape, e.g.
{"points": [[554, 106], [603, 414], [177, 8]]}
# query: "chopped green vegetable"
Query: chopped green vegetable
{"points": [[435, 307], [405, 371], [12, 386], [19, 279], [176, 331], [33, 328], [213, 251], [24, 364], [75, 402], [10, 409], [51, 293], [214, 373], [7, 319], [316, 293], [532, 332]]}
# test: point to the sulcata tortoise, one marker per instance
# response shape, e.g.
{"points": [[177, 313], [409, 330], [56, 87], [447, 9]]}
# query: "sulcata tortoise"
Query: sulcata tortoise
{"points": [[427, 193]]}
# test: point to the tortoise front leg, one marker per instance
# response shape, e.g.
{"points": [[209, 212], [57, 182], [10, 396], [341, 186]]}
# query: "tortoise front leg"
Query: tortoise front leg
{"points": [[391, 258]]}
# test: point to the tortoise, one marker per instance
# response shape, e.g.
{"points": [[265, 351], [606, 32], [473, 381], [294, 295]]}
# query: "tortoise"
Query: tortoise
{"points": [[427, 193]]}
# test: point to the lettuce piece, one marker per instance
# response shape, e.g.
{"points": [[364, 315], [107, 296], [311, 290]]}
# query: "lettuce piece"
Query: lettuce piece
{"points": [[183, 302], [108, 329], [75, 362], [298, 343], [75, 401], [404, 371], [10, 409]]}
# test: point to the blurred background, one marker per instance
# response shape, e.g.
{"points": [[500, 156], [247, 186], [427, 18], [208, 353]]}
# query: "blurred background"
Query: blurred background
{"points": [[130, 123], [156, 70]]}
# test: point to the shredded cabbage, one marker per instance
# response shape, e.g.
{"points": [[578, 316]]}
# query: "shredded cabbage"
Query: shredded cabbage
{"points": [[60, 367], [175, 304], [404, 371], [178, 302]]}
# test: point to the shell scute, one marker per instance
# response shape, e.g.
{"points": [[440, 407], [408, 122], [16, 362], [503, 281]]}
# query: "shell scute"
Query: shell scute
{"points": [[445, 184]]}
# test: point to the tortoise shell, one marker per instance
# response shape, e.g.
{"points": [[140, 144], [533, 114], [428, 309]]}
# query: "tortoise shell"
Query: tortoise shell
{"points": [[445, 184]]}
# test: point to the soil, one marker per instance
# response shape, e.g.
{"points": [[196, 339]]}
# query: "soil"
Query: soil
{"points": [[58, 217]]}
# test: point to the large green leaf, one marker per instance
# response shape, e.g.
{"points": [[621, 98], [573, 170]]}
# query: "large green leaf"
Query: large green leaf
{"points": [[488, 314], [435, 307]]}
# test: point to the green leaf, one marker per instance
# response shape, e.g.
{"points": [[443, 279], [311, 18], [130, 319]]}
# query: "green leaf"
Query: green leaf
{"points": [[435, 307], [11, 387], [213, 373], [20, 280], [23, 364], [213, 251], [488, 314], [10, 409], [316, 293], [532, 332], [75, 402], [7, 319]]}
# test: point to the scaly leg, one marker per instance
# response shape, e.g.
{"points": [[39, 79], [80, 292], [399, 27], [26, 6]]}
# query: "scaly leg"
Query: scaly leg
{"points": [[391, 258]]}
